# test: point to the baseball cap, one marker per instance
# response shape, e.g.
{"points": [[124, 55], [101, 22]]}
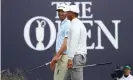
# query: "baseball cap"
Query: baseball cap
{"points": [[127, 66], [63, 7], [74, 8]]}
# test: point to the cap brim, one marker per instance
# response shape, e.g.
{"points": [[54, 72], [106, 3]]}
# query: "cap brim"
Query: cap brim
{"points": [[73, 11], [127, 67], [59, 9], [62, 9]]}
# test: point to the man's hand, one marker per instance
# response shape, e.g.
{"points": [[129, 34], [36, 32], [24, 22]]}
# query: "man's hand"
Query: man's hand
{"points": [[52, 65], [58, 57], [69, 64], [54, 60]]}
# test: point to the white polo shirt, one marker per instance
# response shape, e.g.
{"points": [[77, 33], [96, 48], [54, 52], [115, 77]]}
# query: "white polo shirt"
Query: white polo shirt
{"points": [[130, 77], [77, 39]]}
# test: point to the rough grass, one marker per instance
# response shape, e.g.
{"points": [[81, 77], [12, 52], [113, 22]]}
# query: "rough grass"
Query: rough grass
{"points": [[17, 74]]}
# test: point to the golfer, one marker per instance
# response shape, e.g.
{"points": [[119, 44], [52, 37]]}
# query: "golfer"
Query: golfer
{"points": [[76, 45], [59, 62]]}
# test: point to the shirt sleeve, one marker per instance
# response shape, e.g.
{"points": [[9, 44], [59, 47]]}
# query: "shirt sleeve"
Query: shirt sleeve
{"points": [[66, 33], [67, 28], [74, 40]]}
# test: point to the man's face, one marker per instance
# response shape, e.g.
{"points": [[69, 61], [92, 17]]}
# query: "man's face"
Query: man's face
{"points": [[127, 71], [61, 14], [69, 15]]}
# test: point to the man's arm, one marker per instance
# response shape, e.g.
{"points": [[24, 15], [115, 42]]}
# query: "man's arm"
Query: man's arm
{"points": [[75, 35], [63, 47], [64, 44], [58, 54], [74, 40]]}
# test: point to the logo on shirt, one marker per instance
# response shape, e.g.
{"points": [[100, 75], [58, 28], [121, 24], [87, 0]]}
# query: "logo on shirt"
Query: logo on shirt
{"points": [[39, 32]]}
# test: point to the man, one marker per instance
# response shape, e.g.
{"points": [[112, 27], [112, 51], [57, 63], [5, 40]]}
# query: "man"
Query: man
{"points": [[127, 73], [59, 62], [77, 39]]}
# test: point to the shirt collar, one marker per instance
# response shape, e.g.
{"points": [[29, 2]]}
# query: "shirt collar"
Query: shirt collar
{"points": [[63, 21], [74, 19]]}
